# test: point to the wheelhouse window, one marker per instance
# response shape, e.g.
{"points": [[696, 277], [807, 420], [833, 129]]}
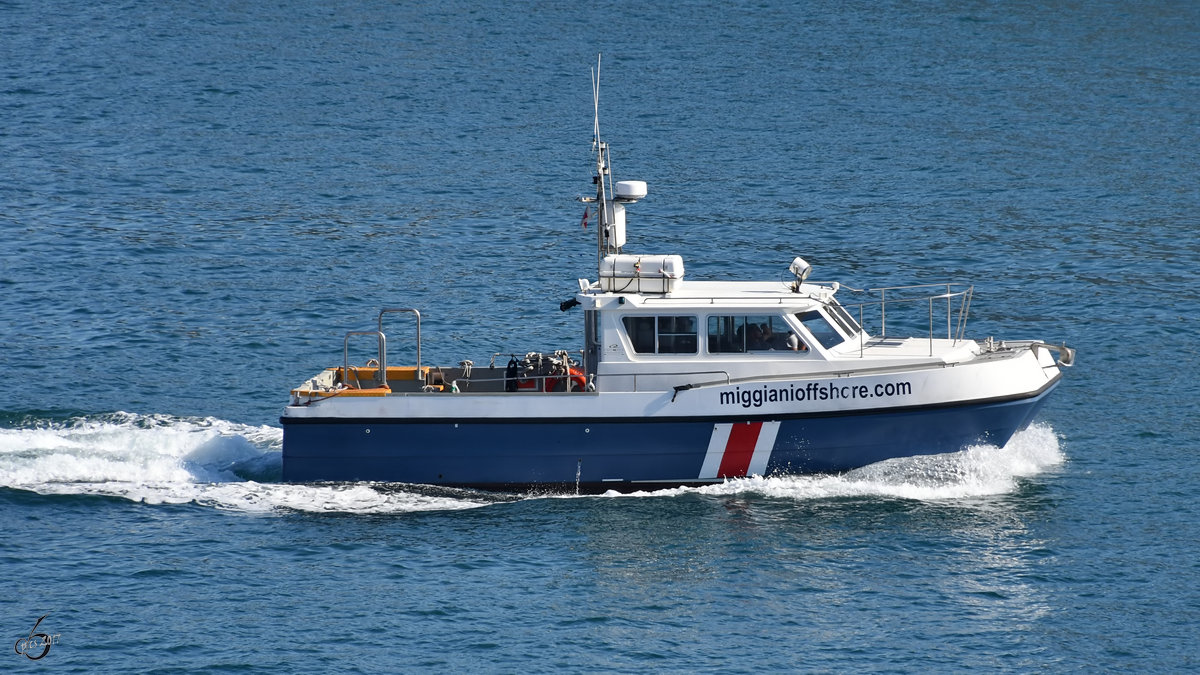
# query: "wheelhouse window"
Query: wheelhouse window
{"points": [[736, 334], [821, 329], [662, 334]]}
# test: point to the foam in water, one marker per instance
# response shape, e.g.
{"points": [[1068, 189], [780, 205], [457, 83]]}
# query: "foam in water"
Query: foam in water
{"points": [[975, 472], [159, 459]]}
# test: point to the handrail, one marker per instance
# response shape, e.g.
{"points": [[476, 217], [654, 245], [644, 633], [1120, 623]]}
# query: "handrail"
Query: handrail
{"points": [[538, 390], [492, 362], [382, 341], [713, 299], [1066, 355], [955, 330], [597, 376], [635, 376], [728, 380], [904, 288]]}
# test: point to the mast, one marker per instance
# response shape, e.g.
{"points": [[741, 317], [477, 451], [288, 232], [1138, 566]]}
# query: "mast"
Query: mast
{"points": [[603, 176], [610, 198]]}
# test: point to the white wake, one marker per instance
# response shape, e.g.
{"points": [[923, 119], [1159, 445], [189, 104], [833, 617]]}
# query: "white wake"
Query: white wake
{"points": [[978, 471], [160, 459]]}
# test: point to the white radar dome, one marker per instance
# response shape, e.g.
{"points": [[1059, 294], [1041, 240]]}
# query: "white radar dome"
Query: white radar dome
{"points": [[630, 190]]}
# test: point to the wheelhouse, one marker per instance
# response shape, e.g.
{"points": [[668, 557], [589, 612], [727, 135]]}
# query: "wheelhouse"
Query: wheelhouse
{"points": [[686, 325]]}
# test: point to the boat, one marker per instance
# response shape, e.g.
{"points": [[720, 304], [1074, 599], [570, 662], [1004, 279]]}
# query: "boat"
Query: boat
{"points": [[679, 382]]}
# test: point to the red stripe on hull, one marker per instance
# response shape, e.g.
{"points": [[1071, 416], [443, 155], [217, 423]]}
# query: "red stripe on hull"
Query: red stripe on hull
{"points": [[739, 450]]}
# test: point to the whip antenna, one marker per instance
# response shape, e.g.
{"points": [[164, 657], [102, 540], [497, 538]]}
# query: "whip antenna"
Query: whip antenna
{"points": [[596, 104]]}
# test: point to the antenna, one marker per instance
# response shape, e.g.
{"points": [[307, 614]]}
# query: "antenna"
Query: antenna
{"points": [[610, 199], [603, 177], [596, 104]]}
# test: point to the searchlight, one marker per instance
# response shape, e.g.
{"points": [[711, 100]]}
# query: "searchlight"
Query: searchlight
{"points": [[801, 269]]}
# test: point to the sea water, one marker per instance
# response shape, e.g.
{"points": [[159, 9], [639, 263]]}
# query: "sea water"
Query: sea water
{"points": [[197, 202]]}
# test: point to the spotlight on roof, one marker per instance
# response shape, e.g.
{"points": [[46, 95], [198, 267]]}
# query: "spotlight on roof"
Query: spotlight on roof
{"points": [[801, 269]]}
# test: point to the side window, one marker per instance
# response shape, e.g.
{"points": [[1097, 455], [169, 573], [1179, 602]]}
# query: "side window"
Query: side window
{"points": [[821, 329], [676, 335], [739, 334], [726, 334], [662, 334], [641, 333]]}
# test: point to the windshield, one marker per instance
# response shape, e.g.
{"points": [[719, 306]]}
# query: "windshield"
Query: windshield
{"points": [[821, 329], [843, 319]]}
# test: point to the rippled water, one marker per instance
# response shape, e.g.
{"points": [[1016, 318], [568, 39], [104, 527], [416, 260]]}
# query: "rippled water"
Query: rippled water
{"points": [[196, 202]]}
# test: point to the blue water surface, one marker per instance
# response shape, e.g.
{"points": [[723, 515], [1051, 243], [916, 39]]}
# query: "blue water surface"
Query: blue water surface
{"points": [[197, 200]]}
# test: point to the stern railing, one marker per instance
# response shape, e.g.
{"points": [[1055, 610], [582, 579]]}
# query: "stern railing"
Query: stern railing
{"points": [[381, 339]]}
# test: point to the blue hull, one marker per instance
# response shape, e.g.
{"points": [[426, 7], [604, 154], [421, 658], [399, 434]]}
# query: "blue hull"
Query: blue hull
{"points": [[598, 455]]}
